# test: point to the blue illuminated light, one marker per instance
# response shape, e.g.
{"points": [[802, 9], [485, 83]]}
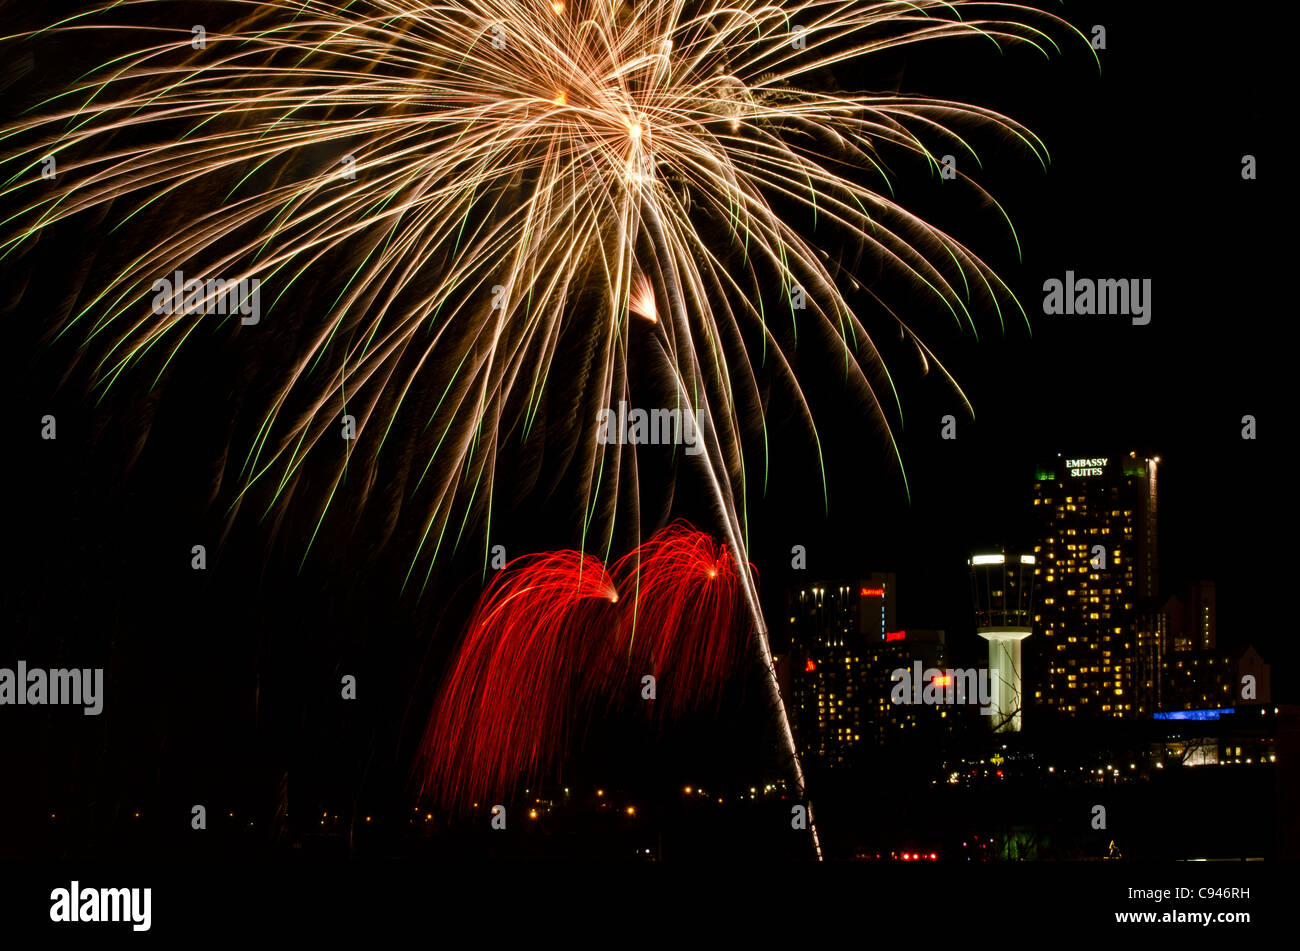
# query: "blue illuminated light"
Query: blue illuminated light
{"points": [[1192, 714]]}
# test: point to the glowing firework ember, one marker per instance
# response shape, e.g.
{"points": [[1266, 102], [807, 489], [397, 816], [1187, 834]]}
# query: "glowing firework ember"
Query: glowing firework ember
{"points": [[482, 192], [553, 637]]}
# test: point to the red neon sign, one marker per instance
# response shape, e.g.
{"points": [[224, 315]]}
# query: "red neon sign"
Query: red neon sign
{"points": [[810, 666], [895, 635], [873, 592]]}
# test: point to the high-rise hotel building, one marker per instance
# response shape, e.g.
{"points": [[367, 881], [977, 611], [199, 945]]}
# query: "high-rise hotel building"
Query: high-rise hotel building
{"points": [[1095, 563], [834, 627]]}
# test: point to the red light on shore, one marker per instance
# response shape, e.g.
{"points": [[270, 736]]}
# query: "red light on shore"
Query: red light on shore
{"points": [[872, 592], [895, 635], [810, 666]]}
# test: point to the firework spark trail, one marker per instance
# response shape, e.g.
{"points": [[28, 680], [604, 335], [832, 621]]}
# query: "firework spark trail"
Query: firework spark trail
{"points": [[554, 638], [523, 167], [716, 460], [509, 700], [712, 460]]}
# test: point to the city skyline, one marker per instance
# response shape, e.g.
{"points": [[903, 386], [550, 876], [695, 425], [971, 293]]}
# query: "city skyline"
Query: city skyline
{"points": [[866, 683]]}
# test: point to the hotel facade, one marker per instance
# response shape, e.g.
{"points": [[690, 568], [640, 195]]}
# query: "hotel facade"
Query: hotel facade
{"points": [[1095, 566]]}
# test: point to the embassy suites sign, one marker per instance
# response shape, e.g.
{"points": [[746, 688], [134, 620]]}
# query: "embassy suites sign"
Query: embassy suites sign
{"points": [[1086, 467]]}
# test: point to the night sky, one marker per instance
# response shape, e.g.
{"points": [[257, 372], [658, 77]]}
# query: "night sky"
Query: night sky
{"points": [[1145, 182]]}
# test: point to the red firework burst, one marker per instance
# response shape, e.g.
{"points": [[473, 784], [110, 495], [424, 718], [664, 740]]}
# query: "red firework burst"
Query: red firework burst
{"points": [[551, 637], [510, 694], [683, 622]]}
